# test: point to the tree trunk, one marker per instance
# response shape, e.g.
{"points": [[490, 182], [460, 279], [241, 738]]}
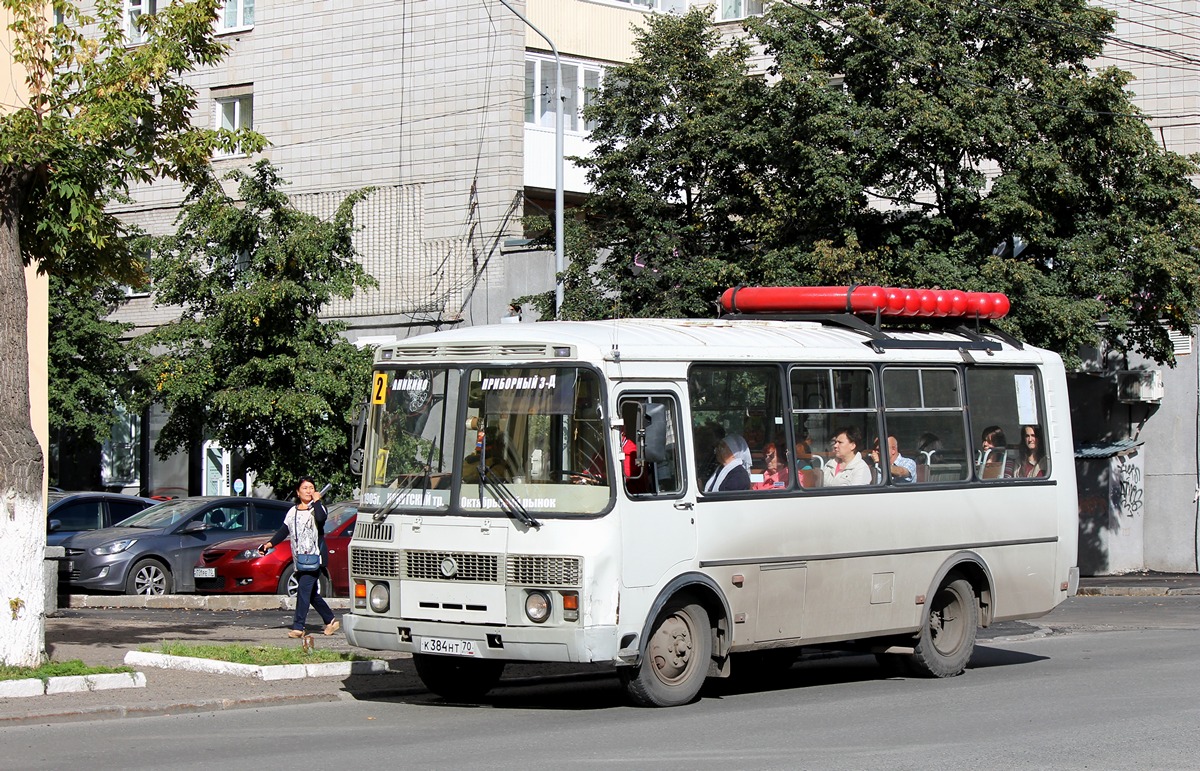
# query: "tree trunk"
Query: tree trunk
{"points": [[22, 515]]}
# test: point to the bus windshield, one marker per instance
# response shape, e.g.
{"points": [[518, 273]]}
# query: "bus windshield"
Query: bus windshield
{"points": [[529, 440]]}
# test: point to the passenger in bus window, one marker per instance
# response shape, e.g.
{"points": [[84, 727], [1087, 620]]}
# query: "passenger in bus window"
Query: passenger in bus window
{"points": [[847, 466], [775, 475], [993, 462], [902, 469], [733, 472], [1033, 463]]}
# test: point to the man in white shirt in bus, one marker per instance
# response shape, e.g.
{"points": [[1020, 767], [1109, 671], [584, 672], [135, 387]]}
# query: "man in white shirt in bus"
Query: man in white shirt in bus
{"points": [[902, 469]]}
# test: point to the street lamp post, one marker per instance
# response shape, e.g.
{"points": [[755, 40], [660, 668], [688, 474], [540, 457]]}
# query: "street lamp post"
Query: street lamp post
{"points": [[559, 257]]}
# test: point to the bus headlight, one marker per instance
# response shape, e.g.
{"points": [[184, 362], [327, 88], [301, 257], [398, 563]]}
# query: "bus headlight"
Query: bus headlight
{"points": [[537, 607], [381, 599]]}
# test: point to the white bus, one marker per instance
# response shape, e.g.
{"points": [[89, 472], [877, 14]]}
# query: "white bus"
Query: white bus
{"points": [[537, 492]]}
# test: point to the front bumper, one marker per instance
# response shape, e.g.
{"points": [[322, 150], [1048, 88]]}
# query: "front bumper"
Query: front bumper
{"points": [[510, 643], [87, 571]]}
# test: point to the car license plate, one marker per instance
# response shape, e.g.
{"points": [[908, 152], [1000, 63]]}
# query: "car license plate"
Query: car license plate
{"points": [[449, 647], [205, 572]]}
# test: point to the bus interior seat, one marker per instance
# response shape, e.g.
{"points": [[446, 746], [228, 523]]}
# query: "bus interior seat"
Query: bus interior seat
{"points": [[811, 477]]}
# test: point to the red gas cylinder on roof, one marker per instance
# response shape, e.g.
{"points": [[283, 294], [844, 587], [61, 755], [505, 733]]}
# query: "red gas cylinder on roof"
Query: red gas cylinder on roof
{"points": [[886, 301]]}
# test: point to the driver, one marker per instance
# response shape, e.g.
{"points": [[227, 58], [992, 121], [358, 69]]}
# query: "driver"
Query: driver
{"points": [[492, 449]]}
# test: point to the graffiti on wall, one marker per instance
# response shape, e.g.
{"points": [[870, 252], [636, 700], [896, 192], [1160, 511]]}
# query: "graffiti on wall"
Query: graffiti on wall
{"points": [[1127, 484]]}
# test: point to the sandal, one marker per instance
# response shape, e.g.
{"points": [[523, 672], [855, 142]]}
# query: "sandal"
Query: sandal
{"points": [[295, 633]]}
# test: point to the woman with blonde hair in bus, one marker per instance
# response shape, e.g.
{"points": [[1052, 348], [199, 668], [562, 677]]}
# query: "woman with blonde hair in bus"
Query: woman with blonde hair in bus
{"points": [[847, 466], [733, 472], [1033, 455]]}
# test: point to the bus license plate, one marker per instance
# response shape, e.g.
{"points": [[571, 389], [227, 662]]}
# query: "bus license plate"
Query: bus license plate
{"points": [[449, 647], [204, 572]]}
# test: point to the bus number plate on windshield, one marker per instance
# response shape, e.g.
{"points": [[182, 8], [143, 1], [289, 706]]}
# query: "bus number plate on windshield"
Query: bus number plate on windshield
{"points": [[449, 647]]}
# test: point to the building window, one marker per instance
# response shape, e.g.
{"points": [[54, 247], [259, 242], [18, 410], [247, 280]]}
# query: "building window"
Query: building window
{"points": [[580, 83], [134, 9], [238, 14], [740, 9], [234, 112], [662, 6]]}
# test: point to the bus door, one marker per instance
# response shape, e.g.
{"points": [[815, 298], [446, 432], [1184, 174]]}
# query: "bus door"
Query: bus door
{"points": [[658, 528]]}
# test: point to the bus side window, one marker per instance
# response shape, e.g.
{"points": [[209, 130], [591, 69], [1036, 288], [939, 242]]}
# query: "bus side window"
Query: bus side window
{"points": [[923, 409], [1007, 425]]}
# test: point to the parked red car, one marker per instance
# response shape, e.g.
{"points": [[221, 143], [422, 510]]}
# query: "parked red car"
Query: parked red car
{"points": [[237, 567]]}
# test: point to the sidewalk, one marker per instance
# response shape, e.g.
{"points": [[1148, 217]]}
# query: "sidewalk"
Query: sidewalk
{"points": [[100, 630], [1140, 585]]}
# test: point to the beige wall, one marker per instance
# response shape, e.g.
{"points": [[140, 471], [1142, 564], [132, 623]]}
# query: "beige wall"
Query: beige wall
{"points": [[583, 28]]}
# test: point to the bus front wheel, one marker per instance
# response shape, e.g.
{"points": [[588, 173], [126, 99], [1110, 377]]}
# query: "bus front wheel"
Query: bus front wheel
{"points": [[676, 658], [458, 679], [947, 637]]}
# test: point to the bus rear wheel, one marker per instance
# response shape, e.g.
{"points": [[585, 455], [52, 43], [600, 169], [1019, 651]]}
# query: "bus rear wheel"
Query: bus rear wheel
{"points": [[947, 637], [676, 659], [458, 679]]}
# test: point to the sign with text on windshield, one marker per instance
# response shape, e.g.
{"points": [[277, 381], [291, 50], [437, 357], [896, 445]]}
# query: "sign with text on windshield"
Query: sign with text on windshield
{"points": [[529, 391]]}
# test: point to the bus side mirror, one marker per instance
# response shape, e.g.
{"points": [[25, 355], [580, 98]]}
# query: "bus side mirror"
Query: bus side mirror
{"points": [[646, 426], [359, 428]]}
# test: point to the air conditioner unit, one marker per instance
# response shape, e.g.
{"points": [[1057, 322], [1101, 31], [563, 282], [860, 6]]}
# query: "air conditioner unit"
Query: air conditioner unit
{"points": [[1140, 386]]}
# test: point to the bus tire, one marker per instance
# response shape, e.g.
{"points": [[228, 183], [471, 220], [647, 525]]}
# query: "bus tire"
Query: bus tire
{"points": [[947, 637], [458, 679], [676, 659]]}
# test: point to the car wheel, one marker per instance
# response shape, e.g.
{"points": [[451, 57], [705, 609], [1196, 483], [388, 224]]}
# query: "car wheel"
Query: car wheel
{"points": [[149, 577], [289, 585]]}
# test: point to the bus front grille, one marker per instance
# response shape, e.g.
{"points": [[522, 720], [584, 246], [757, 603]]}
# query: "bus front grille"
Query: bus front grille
{"points": [[452, 566], [537, 570], [373, 531], [375, 563]]}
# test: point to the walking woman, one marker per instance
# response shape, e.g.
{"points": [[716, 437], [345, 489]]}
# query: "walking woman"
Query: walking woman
{"points": [[304, 524]]}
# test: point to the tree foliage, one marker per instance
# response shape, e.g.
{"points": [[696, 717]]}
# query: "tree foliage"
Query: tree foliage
{"points": [[249, 362], [97, 117], [901, 141], [89, 360]]}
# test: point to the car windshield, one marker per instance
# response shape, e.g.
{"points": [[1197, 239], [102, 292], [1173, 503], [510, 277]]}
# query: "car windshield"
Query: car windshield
{"points": [[339, 513], [163, 514]]}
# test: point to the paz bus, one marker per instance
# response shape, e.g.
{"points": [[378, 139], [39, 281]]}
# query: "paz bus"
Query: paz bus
{"points": [[537, 492]]}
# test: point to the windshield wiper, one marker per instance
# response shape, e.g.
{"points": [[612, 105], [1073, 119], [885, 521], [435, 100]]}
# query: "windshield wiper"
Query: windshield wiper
{"points": [[509, 503]]}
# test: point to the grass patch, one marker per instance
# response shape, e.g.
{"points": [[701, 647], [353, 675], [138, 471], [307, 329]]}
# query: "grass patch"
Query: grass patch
{"points": [[258, 655], [70, 668]]}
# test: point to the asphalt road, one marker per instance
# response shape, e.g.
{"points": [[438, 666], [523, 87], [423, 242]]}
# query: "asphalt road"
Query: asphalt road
{"points": [[1101, 683]]}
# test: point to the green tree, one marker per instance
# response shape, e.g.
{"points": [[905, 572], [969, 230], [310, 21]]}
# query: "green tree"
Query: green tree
{"points": [[676, 167], [89, 367], [897, 141], [1006, 161], [249, 362], [99, 116]]}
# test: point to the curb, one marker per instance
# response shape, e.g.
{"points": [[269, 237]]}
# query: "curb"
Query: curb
{"points": [[10, 689], [1136, 591], [193, 601], [179, 708], [276, 672]]}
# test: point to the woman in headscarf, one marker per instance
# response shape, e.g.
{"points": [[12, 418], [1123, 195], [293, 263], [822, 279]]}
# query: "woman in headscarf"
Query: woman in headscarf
{"points": [[733, 469]]}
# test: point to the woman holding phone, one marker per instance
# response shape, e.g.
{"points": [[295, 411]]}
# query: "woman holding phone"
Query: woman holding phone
{"points": [[304, 524]]}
